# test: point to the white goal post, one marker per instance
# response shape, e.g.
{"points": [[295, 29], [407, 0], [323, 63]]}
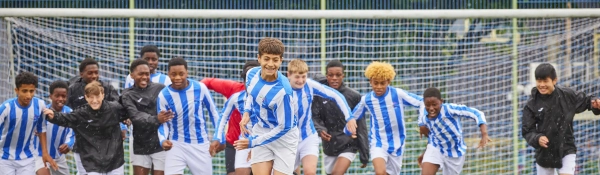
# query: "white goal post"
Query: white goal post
{"points": [[480, 58]]}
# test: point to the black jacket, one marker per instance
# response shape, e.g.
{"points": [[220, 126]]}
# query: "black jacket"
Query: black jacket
{"points": [[141, 107], [552, 116], [328, 117], [75, 94], [99, 141]]}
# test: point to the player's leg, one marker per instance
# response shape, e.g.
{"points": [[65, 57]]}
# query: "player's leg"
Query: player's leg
{"points": [[261, 160], [63, 167], [175, 159], [310, 154], [79, 165], [284, 151], [242, 165], [158, 162], [25, 166], [141, 164], [40, 168], [379, 158], [433, 160], [545, 171], [329, 162], [230, 159], [343, 163], [198, 158], [569, 165]]}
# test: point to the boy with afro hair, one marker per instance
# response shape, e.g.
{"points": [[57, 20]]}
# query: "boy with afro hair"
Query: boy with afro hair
{"points": [[386, 106]]}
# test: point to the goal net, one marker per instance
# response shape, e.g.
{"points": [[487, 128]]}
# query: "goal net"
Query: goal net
{"points": [[471, 60]]}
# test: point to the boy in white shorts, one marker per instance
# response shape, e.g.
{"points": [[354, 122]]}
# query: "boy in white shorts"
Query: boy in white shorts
{"points": [[304, 90], [446, 148], [185, 137], [386, 106], [274, 138], [548, 121], [60, 139]]}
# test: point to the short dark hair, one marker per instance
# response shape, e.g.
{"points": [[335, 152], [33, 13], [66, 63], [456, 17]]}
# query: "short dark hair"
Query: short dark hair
{"points": [[177, 61], [545, 70], [26, 78], [58, 84], [335, 63], [86, 62], [247, 66], [432, 92], [149, 48], [136, 63]]}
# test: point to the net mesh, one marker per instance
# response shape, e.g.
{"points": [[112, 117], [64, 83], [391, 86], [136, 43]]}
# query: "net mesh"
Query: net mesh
{"points": [[469, 60]]}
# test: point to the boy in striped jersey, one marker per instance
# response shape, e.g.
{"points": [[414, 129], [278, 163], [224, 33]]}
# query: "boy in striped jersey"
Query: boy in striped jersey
{"points": [[304, 89], [186, 135], [61, 139], [19, 118], [270, 99], [386, 106], [446, 148], [151, 54], [235, 161]]}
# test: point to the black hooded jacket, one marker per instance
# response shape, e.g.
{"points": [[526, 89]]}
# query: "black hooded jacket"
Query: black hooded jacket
{"points": [[141, 107], [552, 116], [328, 117], [97, 134], [76, 92]]}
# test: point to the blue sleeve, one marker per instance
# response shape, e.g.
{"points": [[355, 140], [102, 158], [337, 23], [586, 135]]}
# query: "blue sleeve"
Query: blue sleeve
{"points": [[467, 112], [331, 94], [285, 118], [224, 118]]}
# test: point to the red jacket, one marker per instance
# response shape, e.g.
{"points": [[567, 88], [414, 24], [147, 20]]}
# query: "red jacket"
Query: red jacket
{"points": [[228, 88]]}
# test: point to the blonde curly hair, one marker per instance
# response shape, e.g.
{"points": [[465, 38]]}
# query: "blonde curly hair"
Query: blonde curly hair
{"points": [[380, 70]]}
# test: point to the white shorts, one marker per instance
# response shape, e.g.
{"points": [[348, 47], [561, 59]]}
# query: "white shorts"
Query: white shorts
{"points": [[241, 159], [568, 167], [449, 165], [194, 156], [81, 170], [146, 161], [330, 160], [282, 151], [393, 164], [17, 167], [61, 162], [308, 146]]}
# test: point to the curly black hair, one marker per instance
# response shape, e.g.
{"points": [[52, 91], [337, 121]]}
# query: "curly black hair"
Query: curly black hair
{"points": [[136, 63], [432, 92], [86, 62], [178, 61], [26, 78], [149, 48], [58, 84]]}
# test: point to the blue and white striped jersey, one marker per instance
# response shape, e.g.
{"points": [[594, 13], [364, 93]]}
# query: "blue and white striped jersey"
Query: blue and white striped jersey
{"points": [[304, 97], [17, 125], [445, 131], [157, 77], [236, 101], [272, 104], [188, 124], [56, 136], [387, 117]]}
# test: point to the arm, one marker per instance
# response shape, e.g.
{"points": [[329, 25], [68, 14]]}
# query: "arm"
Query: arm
{"points": [[209, 105], [357, 114], [163, 129], [69, 120], [421, 119], [583, 102], [285, 116], [529, 128], [222, 86], [467, 112], [136, 115], [363, 140], [70, 141], [219, 134], [410, 99], [317, 105], [331, 94]]}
